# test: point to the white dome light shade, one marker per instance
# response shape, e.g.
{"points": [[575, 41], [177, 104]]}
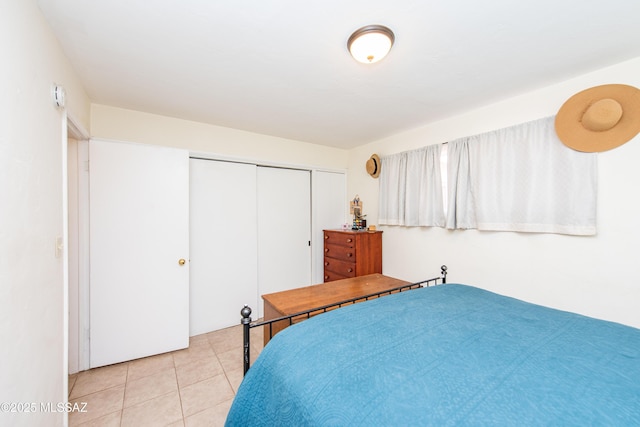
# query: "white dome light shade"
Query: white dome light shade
{"points": [[371, 43]]}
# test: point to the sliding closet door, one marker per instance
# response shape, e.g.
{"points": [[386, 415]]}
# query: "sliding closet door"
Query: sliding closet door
{"points": [[223, 241], [330, 208], [139, 251], [284, 229]]}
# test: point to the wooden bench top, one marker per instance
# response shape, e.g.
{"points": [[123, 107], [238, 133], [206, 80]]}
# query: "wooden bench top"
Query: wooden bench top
{"points": [[300, 299]]}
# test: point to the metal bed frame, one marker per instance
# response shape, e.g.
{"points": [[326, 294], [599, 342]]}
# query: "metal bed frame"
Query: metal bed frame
{"points": [[303, 315]]}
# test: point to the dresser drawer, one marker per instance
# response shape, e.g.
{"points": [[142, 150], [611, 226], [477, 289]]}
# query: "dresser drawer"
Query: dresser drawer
{"points": [[341, 239], [340, 252], [343, 268]]}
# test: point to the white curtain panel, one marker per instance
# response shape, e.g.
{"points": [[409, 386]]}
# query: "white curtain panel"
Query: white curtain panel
{"points": [[392, 189], [411, 189], [423, 202], [460, 209], [521, 178]]}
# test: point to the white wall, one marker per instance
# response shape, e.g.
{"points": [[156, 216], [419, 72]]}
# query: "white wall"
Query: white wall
{"points": [[596, 276], [133, 126], [32, 146]]}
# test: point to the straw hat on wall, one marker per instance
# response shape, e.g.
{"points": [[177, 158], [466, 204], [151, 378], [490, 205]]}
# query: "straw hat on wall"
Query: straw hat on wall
{"points": [[373, 166], [599, 118]]}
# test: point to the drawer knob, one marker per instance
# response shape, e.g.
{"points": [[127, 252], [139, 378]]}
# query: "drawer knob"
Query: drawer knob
{"points": [[326, 249], [349, 254], [349, 240], [350, 270], [326, 263], [326, 237], [326, 277]]}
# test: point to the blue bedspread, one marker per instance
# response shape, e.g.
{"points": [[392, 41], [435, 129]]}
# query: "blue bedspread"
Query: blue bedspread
{"points": [[445, 355]]}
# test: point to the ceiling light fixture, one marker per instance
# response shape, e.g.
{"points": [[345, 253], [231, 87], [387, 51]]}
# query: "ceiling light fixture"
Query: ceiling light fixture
{"points": [[371, 43]]}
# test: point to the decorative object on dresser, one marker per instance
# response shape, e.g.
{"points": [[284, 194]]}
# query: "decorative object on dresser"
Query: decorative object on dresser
{"points": [[351, 253], [355, 208]]}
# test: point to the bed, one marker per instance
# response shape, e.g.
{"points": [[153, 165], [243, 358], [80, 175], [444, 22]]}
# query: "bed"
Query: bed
{"points": [[450, 354]]}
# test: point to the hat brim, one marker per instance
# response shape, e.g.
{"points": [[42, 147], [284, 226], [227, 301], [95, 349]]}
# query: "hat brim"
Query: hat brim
{"points": [[573, 134]]}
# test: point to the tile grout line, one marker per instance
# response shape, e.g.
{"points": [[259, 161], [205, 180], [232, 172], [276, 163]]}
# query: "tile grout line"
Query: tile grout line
{"points": [[124, 394], [175, 370]]}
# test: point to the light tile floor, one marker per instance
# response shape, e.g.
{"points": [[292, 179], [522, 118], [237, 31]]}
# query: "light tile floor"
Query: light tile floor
{"points": [[190, 387]]}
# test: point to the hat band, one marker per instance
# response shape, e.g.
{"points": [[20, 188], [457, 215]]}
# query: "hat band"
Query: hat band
{"points": [[602, 115]]}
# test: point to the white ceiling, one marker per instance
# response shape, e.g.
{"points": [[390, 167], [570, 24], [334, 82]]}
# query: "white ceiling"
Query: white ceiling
{"points": [[281, 67]]}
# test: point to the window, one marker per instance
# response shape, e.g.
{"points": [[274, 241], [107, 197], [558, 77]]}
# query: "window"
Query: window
{"points": [[520, 178]]}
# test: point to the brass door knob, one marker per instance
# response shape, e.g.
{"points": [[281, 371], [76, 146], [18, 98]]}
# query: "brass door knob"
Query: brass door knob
{"points": [[181, 261]]}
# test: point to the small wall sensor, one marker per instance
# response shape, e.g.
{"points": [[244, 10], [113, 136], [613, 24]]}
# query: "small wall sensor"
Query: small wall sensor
{"points": [[58, 95]]}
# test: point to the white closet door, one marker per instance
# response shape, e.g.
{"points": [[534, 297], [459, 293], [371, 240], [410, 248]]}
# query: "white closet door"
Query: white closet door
{"points": [[330, 209], [223, 241], [284, 230], [139, 232]]}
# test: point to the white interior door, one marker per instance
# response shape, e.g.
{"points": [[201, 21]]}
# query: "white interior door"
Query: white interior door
{"points": [[223, 240], [284, 230], [139, 230]]}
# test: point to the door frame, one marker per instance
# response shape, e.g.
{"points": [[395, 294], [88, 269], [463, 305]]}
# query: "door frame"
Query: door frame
{"points": [[76, 286]]}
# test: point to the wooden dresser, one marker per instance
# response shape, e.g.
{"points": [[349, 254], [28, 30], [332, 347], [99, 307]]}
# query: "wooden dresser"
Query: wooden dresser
{"points": [[351, 253]]}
